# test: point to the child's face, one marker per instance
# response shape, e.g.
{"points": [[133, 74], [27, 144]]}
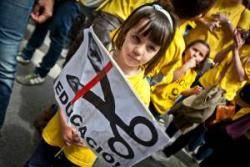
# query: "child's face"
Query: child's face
{"points": [[198, 51], [137, 50]]}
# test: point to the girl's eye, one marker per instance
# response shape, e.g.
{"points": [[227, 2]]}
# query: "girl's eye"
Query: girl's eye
{"points": [[152, 48], [136, 38]]}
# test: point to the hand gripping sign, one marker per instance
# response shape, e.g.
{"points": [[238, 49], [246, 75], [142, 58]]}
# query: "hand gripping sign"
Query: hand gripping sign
{"points": [[98, 101]]}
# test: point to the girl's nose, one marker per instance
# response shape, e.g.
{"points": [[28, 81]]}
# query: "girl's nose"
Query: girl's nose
{"points": [[139, 50]]}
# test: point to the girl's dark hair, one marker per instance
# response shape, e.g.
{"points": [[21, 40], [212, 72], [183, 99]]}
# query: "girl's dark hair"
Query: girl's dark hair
{"points": [[158, 29], [200, 66], [186, 9]]}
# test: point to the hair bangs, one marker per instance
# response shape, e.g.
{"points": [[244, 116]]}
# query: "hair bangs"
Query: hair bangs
{"points": [[156, 31]]}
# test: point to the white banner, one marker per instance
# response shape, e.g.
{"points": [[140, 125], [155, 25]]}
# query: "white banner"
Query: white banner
{"points": [[109, 117]]}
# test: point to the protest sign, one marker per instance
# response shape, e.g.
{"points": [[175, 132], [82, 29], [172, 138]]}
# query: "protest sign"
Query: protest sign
{"points": [[97, 99]]}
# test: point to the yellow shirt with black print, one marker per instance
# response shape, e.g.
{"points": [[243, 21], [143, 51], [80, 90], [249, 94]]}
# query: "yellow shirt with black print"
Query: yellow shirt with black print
{"points": [[164, 100]]}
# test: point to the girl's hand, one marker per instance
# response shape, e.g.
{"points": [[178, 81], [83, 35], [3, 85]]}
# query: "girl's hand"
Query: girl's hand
{"points": [[196, 90], [191, 91], [213, 25], [191, 63], [70, 136], [239, 41]]}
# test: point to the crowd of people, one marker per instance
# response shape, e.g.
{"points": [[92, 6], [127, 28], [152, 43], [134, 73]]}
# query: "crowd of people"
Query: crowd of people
{"points": [[187, 60]]}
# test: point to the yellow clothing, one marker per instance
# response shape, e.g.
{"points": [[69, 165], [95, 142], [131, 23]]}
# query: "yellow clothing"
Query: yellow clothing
{"points": [[244, 22], [220, 38], [123, 8], [83, 156], [172, 58], [229, 82], [164, 100], [141, 87], [241, 113], [166, 67]]}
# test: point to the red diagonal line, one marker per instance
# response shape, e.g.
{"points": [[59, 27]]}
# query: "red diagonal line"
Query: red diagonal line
{"points": [[92, 82]]}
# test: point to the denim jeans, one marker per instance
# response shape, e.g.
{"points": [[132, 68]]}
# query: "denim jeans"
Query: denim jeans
{"points": [[59, 26], [14, 16]]}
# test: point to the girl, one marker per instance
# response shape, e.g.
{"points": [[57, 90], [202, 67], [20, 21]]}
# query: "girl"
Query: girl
{"points": [[138, 45], [193, 57]]}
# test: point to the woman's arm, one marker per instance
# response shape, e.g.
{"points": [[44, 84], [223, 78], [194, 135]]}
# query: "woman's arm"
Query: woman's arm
{"points": [[238, 65], [221, 55], [236, 58]]}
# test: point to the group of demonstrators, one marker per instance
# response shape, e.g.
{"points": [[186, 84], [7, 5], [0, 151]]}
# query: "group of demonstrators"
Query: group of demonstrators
{"points": [[188, 61]]}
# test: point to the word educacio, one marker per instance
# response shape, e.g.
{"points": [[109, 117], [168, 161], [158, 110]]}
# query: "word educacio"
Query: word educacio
{"points": [[77, 120]]}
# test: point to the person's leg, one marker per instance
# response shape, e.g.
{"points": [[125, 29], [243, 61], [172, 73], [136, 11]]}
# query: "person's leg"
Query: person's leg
{"points": [[195, 141], [35, 41], [60, 26], [14, 16], [203, 152]]}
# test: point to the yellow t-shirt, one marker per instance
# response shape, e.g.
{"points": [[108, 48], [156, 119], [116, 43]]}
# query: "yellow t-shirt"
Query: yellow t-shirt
{"points": [[244, 22], [141, 87], [228, 82], [171, 60], [83, 156], [220, 38], [123, 8], [165, 95]]}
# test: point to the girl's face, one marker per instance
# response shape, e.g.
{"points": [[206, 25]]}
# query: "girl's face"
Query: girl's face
{"points": [[198, 51], [137, 50]]}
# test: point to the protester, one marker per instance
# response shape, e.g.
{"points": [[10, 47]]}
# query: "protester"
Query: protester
{"points": [[231, 71], [14, 17], [218, 25], [65, 13], [193, 57], [145, 35]]}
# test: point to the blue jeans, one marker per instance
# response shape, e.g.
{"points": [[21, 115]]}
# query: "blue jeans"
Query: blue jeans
{"points": [[59, 25], [14, 16]]}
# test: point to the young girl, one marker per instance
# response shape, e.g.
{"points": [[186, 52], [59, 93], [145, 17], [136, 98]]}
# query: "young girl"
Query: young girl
{"points": [[193, 56], [138, 45]]}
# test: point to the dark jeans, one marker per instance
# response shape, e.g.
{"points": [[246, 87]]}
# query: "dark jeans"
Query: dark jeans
{"points": [[44, 156], [59, 26], [181, 142]]}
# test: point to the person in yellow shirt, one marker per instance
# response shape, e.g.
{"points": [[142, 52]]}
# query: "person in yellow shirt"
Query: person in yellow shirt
{"points": [[193, 57], [217, 25], [244, 22], [232, 69], [138, 45]]}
